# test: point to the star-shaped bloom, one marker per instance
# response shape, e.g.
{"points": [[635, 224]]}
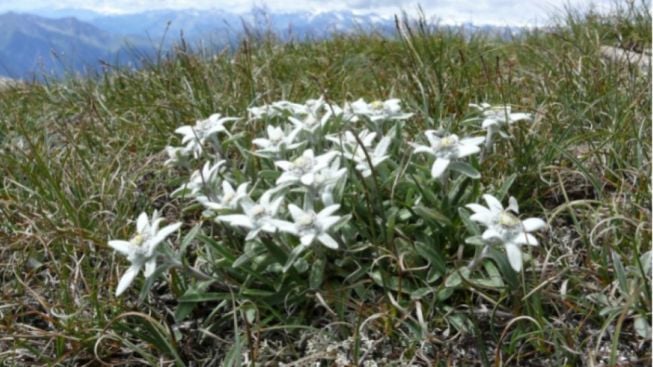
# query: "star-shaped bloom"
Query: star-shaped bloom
{"points": [[141, 249], [496, 117], [257, 216], [195, 136], [176, 155], [503, 227], [277, 109], [199, 179], [277, 141], [376, 156], [379, 110], [310, 226], [318, 113], [303, 168], [227, 200], [446, 149], [349, 140]]}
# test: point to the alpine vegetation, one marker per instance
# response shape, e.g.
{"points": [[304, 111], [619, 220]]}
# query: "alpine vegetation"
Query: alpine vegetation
{"points": [[267, 203]]}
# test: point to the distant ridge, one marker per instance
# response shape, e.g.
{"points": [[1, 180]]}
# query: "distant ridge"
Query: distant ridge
{"points": [[60, 43]]}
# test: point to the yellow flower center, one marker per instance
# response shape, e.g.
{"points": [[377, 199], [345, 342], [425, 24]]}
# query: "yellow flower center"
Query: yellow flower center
{"points": [[448, 141], [306, 220], [376, 105], [258, 211], [508, 220], [137, 240]]}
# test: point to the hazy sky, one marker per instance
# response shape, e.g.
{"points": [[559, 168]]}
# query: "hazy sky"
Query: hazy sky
{"points": [[448, 11]]}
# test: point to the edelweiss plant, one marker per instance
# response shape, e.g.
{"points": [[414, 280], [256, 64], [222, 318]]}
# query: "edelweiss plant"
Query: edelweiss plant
{"points": [[141, 249], [504, 228], [497, 117], [447, 149], [274, 207]]}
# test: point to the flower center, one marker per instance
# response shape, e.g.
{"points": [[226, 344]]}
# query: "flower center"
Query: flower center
{"points": [[258, 211], [448, 141], [137, 240], [306, 221], [302, 164], [508, 220], [227, 197], [376, 105]]}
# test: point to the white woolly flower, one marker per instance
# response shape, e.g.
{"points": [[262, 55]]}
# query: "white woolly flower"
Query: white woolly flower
{"points": [[496, 117], [278, 140], [176, 155], [310, 226], [503, 227], [277, 109], [318, 113], [446, 149], [257, 216], [140, 250], [195, 136], [376, 156], [349, 140], [228, 199], [206, 177], [379, 110], [303, 168]]}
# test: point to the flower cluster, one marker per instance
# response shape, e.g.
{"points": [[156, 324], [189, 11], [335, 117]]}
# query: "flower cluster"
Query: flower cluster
{"points": [[285, 188]]}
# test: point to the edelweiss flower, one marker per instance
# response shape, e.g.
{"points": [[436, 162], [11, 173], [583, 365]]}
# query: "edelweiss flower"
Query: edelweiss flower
{"points": [[379, 110], [309, 226], [348, 139], [176, 155], [326, 179], [446, 149], [140, 250], [495, 117], [503, 227], [277, 109], [376, 156], [318, 113], [277, 141], [304, 168], [195, 136], [199, 179], [227, 200], [258, 216]]}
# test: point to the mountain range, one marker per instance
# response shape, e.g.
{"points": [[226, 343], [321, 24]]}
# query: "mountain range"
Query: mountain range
{"points": [[57, 42]]}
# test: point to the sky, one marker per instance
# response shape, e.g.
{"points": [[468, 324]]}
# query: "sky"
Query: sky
{"points": [[512, 12]]}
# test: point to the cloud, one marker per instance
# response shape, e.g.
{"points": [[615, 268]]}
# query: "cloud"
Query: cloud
{"points": [[447, 11]]}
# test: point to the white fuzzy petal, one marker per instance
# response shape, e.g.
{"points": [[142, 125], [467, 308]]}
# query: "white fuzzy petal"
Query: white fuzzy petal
{"points": [[533, 224], [514, 256], [150, 266], [163, 233], [465, 150], [124, 247], [142, 223], [328, 241], [127, 278], [439, 166], [525, 239], [493, 203]]}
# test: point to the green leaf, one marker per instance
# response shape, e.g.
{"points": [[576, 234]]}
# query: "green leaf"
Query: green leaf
{"points": [[456, 278], [317, 273], [471, 226], [189, 237], [432, 215], [432, 255], [419, 293], [505, 187], [465, 169], [620, 272]]}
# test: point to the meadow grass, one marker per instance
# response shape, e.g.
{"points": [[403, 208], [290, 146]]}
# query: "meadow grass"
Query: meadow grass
{"points": [[80, 158]]}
